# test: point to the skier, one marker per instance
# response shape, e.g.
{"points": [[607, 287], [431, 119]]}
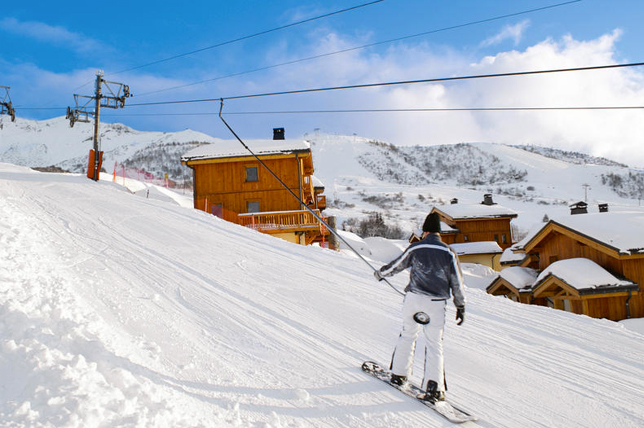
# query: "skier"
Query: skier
{"points": [[435, 273]]}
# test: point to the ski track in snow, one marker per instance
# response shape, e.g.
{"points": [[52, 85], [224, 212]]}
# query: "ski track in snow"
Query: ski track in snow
{"points": [[117, 310]]}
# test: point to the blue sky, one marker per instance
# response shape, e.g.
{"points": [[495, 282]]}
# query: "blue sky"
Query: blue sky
{"points": [[49, 51]]}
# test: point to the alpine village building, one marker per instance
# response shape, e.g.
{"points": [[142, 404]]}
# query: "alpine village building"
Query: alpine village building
{"points": [[591, 264], [487, 221], [230, 183]]}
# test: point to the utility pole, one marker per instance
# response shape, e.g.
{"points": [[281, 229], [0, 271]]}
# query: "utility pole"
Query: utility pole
{"points": [[114, 97], [5, 104]]}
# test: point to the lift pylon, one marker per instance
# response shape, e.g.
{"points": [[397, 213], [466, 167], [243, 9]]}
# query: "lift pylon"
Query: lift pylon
{"points": [[107, 94]]}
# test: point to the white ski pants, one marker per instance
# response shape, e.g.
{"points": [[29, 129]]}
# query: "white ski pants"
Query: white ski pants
{"points": [[403, 358]]}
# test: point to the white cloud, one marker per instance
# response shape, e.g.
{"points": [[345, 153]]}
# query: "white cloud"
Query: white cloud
{"points": [[514, 32], [53, 35], [616, 134], [612, 133]]}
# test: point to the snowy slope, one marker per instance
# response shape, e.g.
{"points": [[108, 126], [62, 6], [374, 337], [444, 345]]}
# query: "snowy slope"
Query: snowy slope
{"points": [[360, 174], [554, 179], [121, 310], [54, 142], [548, 188]]}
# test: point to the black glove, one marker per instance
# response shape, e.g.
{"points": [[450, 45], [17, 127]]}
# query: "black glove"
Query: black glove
{"points": [[460, 315], [378, 275]]}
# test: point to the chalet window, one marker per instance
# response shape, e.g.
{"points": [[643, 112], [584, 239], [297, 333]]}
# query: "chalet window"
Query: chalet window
{"points": [[496, 238], [465, 238], [504, 239], [251, 174], [252, 207]]}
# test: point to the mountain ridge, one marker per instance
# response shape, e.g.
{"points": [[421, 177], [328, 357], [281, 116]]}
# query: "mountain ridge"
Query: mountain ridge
{"points": [[362, 175]]}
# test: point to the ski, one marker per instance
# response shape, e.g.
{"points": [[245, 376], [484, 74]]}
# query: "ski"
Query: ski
{"points": [[443, 408]]}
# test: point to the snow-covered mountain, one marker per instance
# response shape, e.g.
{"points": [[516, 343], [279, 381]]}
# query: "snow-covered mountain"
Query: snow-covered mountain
{"points": [[123, 310], [404, 183], [53, 142], [363, 175]]}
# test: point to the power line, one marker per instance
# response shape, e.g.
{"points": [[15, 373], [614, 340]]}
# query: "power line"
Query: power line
{"points": [[399, 110], [422, 110], [384, 84], [453, 27], [261, 33], [235, 40], [394, 83]]}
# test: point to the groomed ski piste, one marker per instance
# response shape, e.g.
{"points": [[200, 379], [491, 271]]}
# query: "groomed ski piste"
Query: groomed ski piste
{"points": [[122, 310]]}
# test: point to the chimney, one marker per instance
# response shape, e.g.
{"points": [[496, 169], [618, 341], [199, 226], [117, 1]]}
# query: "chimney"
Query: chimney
{"points": [[579, 208], [603, 208], [278, 133], [487, 199], [454, 201]]}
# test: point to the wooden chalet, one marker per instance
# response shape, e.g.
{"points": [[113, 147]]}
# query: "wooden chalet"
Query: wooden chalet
{"points": [[514, 283], [486, 221], [232, 184], [606, 252], [486, 253]]}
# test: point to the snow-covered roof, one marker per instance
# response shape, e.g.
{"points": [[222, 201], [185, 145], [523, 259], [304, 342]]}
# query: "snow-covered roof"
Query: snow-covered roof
{"points": [[316, 181], [233, 148], [446, 228], [582, 274], [483, 247], [510, 256], [464, 211], [623, 231], [519, 277]]}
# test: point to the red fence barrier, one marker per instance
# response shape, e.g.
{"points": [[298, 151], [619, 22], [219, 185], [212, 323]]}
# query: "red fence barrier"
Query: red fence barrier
{"points": [[123, 172]]}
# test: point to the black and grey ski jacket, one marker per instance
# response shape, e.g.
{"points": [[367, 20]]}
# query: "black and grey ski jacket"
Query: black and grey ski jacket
{"points": [[434, 269]]}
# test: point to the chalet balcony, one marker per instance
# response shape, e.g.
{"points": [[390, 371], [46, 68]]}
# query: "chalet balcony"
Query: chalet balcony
{"points": [[280, 221], [321, 199]]}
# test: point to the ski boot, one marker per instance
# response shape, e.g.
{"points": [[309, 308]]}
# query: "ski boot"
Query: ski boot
{"points": [[432, 395], [398, 380]]}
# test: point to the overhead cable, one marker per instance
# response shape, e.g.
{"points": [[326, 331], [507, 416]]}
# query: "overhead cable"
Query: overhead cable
{"points": [[261, 33], [395, 83], [355, 48], [389, 110], [312, 212]]}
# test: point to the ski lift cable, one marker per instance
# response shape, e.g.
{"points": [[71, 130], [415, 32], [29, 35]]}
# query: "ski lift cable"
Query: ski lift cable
{"points": [[390, 83], [398, 110], [261, 33], [355, 48], [320, 219], [396, 83]]}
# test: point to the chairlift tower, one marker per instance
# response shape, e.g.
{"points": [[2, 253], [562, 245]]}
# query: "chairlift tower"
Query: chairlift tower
{"points": [[5, 104], [106, 94], [586, 186]]}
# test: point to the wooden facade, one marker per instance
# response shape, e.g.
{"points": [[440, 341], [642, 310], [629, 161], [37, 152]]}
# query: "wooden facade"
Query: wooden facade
{"points": [[477, 226], [555, 242], [487, 253], [240, 189], [609, 304]]}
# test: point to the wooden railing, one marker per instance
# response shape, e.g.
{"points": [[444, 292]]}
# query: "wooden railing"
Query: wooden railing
{"points": [[280, 221], [267, 222]]}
